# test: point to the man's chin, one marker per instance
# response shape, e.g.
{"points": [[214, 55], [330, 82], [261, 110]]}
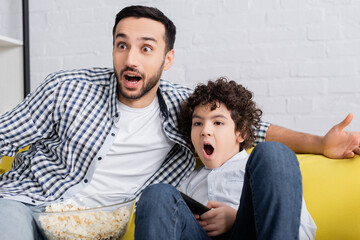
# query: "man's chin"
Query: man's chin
{"points": [[130, 96]]}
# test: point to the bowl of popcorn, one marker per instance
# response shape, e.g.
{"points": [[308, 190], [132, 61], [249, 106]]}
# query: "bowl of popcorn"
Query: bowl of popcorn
{"points": [[85, 217]]}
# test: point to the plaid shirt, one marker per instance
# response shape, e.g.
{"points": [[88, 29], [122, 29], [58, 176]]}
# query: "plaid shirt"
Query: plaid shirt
{"points": [[66, 121]]}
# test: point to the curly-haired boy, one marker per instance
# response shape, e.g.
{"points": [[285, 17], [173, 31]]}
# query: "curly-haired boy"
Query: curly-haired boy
{"points": [[220, 118]]}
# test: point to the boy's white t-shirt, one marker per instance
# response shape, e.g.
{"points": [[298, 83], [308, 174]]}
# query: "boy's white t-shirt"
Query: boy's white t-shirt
{"points": [[224, 184], [138, 151]]}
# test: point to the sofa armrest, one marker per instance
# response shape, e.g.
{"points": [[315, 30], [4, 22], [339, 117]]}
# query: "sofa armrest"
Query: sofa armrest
{"points": [[331, 189]]}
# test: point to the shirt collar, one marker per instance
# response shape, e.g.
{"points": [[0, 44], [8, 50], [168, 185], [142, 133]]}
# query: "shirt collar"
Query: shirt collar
{"points": [[113, 92], [163, 107]]}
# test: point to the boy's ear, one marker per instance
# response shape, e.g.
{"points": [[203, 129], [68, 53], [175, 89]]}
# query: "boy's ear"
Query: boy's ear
{"points": [[239, 137], [169, 59]]}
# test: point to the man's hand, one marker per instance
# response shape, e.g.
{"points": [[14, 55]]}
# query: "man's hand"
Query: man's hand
{"points": [[338, 143], [218, 220]]}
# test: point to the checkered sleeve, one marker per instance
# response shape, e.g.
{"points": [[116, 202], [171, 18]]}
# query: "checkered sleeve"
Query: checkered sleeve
{"points": [[260, 133], [28, 121]]}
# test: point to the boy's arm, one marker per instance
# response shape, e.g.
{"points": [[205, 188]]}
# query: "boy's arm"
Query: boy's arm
{"points": [[337, 143], [218, 220]]}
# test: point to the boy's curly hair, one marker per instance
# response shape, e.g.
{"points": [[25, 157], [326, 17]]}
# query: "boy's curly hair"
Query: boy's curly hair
{"points": [[236, 98]]}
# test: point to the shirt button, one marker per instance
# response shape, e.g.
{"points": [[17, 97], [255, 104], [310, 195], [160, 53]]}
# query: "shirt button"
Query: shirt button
{"points": [[116, 115], [113, 134], [85, 181], [99, 158], [33, 201]]}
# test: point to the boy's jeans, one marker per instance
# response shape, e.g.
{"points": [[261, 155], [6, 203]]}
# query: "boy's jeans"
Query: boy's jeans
{"points": [[270, 204]]}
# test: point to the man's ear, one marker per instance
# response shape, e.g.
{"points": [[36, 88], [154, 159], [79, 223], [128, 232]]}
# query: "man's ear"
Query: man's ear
{"points": [[169, 59]]}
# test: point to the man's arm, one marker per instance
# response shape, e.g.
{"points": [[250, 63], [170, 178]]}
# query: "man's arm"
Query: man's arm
{"points": [[337, 143], [29, 121]]}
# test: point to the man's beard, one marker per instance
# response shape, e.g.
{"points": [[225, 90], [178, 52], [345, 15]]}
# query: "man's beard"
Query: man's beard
{"points": [[147, 86]]}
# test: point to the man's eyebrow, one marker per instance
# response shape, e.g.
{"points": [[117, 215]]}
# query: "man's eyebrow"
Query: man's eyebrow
{"points": [[149, 39], [123, 35]]}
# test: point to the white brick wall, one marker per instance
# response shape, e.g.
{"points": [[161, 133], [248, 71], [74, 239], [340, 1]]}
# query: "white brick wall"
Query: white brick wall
{"points": [[11, 19], [301, 58]]}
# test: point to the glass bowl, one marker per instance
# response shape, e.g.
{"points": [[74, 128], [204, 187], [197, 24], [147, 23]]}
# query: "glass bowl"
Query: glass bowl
{"points": [[84, 218]]}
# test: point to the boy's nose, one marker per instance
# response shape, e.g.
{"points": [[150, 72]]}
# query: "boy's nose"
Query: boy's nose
{"points": [[206, 131]]}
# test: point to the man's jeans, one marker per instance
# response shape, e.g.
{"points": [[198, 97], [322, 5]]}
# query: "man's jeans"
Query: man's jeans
{"points": [[270, 204], [16, 221]]}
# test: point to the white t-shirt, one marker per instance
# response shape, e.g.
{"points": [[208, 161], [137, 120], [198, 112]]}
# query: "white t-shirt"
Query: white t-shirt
{"points": [[224, 184], [140, 147]]}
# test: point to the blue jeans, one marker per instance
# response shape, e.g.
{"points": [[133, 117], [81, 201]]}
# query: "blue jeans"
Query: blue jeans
{"points": [[17, 222], [270, 204]]}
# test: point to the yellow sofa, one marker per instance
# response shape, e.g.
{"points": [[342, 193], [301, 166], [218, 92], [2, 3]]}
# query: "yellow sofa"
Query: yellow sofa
{"points": [[331, 191]]}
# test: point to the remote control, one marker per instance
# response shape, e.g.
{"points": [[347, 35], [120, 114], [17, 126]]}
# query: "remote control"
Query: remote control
{"points": [[195, 206]]}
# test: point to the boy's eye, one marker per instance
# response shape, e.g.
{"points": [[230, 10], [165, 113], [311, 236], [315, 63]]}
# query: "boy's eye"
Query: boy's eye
{"points": [[218, 123], [196, 123]]}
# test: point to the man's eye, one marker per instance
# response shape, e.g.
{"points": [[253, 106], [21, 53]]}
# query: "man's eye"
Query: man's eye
{"points": [[122, 46], [147, 49]]}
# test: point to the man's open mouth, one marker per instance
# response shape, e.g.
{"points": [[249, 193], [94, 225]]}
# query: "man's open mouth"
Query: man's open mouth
{"points": [[208, 149], [132, 78]]}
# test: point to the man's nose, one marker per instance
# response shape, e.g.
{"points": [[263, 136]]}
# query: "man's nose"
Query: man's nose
{"points": [[132, 58]]}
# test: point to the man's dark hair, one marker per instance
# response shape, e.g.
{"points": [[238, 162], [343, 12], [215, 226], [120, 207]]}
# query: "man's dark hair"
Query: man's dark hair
{"points": [[151, 13], [236, 98]]}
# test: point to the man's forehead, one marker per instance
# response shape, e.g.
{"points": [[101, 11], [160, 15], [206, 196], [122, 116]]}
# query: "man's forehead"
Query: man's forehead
{"points": [[140, 28]]}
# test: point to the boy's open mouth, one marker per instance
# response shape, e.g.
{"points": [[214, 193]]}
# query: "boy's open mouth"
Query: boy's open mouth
{"points": [[208, 149]]}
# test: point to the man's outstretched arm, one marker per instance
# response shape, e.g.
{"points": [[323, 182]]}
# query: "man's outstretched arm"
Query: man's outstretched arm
{"points": [[337, 143]]}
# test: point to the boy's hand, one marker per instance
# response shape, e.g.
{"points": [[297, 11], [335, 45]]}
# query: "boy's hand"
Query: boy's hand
{"points": [[218, 220]]}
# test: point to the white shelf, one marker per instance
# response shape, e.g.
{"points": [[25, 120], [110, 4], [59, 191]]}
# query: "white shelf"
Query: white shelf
{"points": [[9, 42]]}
